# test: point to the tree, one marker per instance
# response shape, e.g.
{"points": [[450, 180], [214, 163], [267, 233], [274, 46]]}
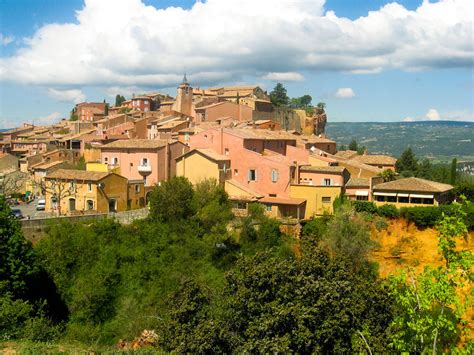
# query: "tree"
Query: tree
{"points": [[348, 236], [453, 172], [58, 189], [73, 115], [172, 200], [278, 95], [12, 182], [321, 106], [387, 175], [425, 169], [310, 304], [17, 260], [119, 100], [353, 145], [212, 205], [305, 100], [429, 308], [407, 165]]}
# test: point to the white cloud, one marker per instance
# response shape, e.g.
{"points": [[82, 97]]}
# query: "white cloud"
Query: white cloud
{"points": [[6, 40], [49, 119], [288, 76], [432, 115], [344, 93], [74, 95], [126, 43], [460, 115], [408, 119]]}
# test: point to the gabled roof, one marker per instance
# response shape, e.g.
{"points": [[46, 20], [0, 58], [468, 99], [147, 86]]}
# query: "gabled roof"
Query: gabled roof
{"points": [[136, 144], [253, 195], [324, 169], [81, 175], [283, 201], [209, 153], [376, 159], [413, 184], [358, 182], [346, 154], [46, 166]]}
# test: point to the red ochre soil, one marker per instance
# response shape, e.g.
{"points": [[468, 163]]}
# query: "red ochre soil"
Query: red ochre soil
{"points": [[402, 245]]}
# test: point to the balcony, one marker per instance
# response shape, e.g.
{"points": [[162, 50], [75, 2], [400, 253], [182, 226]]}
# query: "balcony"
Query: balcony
{"points": [[144, 169]]}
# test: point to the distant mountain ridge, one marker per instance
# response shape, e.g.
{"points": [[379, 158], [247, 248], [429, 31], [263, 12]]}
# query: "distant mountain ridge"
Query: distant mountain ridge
{"points": [[437, 140]]}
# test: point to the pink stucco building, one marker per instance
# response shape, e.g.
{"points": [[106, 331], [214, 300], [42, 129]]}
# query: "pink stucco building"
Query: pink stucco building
{"points": [[263, 161], [142, 159]]}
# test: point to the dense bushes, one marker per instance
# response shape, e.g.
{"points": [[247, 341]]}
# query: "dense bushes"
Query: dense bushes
{"points": [[422, 217], [206, 285]]}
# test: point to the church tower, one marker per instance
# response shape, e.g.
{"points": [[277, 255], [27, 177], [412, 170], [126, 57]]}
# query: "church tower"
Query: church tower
{"points": [[184, 98]]}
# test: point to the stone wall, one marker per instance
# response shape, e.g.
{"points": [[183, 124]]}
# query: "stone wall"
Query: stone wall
{"points": [[35, 229]]}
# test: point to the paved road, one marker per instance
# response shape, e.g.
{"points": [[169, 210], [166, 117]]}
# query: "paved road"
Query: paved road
{"points": [[29, 209]]}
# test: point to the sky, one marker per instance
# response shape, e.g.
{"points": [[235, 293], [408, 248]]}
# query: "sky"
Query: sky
{"points": [[372, 60]]}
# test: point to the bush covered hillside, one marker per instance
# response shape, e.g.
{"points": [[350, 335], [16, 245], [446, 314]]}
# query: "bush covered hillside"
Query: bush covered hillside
{"points": [[199, 280]]}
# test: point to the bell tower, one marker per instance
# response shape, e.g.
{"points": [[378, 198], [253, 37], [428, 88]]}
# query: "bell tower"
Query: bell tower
{"points": [[184, 98]]}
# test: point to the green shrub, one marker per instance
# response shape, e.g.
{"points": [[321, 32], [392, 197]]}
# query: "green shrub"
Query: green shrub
{"points": [[364, 206], [381, 224], [388, 211]]}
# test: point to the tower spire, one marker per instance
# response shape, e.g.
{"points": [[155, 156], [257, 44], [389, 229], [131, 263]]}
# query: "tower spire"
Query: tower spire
{"points": [[185, 80]]}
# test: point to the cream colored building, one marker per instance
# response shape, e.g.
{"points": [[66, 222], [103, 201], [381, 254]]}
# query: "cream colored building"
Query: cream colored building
{"points": [[411, 192]]}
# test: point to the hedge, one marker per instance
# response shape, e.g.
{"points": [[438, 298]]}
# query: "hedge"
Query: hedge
{"points": [[422, 217]]}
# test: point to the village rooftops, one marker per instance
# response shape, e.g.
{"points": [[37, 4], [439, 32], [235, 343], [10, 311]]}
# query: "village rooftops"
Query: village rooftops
{"points": [[250, 133], [376, 159], [358, 182], [46, 166], [413, 184], [136, 144], [77, 175], [346, 154], [314, 139], [324, 169], [283, 201]]}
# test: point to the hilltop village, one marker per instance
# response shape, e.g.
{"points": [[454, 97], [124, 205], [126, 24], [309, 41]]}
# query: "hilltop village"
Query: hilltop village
{"points": [[107, 159]]}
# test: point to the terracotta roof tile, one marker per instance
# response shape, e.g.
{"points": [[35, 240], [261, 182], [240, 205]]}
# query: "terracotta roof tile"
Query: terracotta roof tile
{"points": [[136, 144], [68, 174], [413, 184], [358, 182], [376, 159]]}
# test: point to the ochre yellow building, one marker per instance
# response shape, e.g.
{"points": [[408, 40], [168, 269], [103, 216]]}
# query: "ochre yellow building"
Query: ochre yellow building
{"points": [[201, 164], [79, 191], [319, 199]]}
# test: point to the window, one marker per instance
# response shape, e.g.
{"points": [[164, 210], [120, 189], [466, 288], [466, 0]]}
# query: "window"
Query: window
{"points": [[131, 165], [252, 175], [268, 208], [137, 188], [236, 172], [362, 198], [274, 175], [144, 162], [403, 199], [72, 186], [89, 187], [115, 161], [89, 205], [72, 204], [226, 151], [106, 160], [239, 205], [326, 199], [327, 182], [272, 195]]}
